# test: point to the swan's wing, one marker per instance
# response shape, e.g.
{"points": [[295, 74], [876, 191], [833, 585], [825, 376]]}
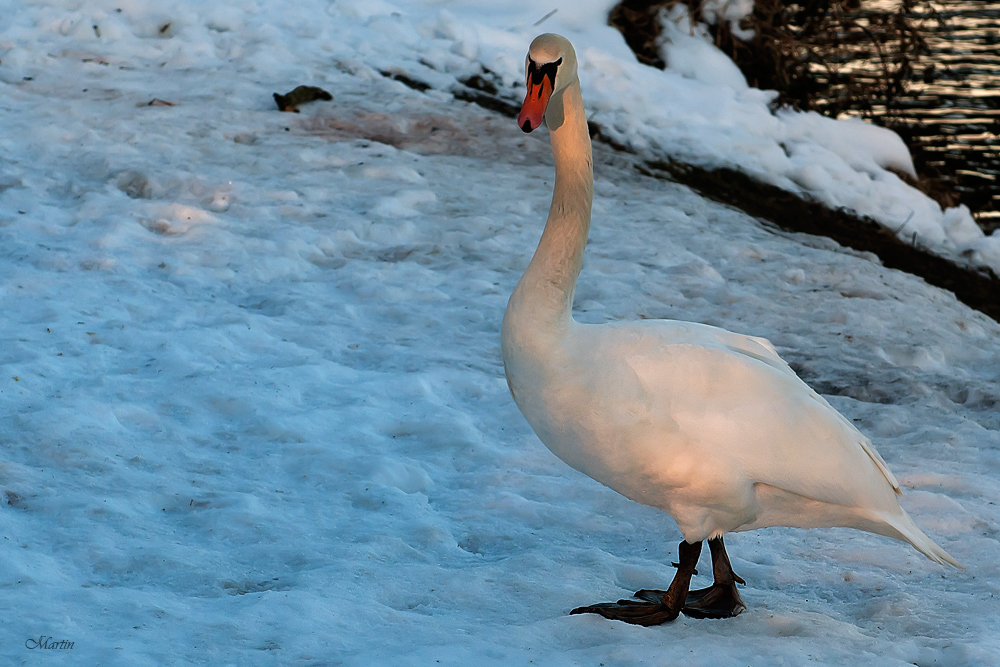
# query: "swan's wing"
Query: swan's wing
{"points": [[862, 440], [763, 351], [751, 346], [723, 349], [754, 347]]}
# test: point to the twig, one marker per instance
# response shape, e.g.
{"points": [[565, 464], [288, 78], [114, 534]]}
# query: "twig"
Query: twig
{"points": [[905, 222], [545, 18]]}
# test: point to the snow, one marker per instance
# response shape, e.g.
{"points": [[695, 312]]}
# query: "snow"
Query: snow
{"points": [[731, 11], [699, 110], [254, 405], [687, 47]]}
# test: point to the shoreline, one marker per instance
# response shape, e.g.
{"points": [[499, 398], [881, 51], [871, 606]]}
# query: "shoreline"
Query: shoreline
{"points": [[978, 288]]}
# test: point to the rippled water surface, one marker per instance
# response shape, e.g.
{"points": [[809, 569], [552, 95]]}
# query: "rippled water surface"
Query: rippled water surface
{"points": [[951, 119]]}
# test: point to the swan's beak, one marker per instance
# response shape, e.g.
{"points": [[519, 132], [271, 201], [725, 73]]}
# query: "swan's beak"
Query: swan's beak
{"points": [[533, 109]]}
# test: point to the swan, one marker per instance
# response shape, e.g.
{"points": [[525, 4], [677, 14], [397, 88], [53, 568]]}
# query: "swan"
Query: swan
{"points": [[710, 426]]}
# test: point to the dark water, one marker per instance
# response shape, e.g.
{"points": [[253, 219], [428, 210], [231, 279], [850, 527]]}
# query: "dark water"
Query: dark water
{"points": [[951, 117]]}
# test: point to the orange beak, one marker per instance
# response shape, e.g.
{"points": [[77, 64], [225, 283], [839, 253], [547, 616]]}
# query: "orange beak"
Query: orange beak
{"points": [[535, 102]]}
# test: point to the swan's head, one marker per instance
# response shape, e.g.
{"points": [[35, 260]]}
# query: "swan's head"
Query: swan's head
{"points": [[549, 67]]}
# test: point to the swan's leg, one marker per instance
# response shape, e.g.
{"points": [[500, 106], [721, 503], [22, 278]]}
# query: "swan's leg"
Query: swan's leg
{"points": [[720, 600], [666, 608]]}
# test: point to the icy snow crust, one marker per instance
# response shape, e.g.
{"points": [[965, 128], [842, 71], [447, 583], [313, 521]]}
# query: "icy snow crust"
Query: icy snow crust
{"points": [[254, 407]]}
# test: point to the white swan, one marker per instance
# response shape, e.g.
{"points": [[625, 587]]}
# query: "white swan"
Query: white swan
{"points": [[710, 426]]}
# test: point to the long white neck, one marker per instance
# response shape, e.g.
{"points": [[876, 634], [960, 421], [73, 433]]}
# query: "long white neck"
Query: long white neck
{"points": [[543, 299]]}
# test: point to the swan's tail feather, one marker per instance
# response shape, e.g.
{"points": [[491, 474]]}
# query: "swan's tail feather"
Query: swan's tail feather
{"points": [[901, 527]]}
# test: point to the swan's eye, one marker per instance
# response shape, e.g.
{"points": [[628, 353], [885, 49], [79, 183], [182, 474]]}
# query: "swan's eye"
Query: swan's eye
{"points": [[536, 73]]}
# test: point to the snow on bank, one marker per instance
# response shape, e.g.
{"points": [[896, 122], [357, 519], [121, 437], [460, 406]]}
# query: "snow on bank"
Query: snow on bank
{"points": [[254, 410], [700, 110], [843, 163]]}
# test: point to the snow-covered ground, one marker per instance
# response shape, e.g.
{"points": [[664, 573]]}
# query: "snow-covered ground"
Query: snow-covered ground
{"points": [[699, 111], [254, 408]]}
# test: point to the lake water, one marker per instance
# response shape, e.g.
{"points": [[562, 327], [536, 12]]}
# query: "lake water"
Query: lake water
{"points": [[951, 118]]}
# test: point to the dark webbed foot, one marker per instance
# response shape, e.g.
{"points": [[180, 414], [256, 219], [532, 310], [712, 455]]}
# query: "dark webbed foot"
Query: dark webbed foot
{"points": [[721, 599], [665, 608], [716, 601], [632, 611]]}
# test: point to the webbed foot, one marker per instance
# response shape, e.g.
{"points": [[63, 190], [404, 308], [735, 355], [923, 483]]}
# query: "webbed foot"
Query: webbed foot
{"points": [[716, 601], [720, 600], [632, 611], [664, 608]]}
